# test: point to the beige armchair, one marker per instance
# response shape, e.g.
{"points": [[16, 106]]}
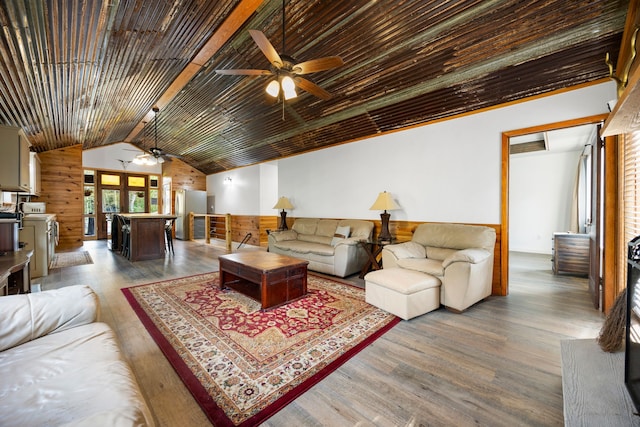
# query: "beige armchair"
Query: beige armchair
{"points": [[459, 255]]}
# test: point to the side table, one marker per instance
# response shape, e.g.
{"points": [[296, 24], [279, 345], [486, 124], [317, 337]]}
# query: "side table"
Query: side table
{"points": [[15, 276], [373, 248]]}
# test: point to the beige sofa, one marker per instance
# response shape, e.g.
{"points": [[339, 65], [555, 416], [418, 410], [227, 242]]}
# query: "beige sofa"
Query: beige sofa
{"points": [[459, 256], [59, 366], [330, 245]]}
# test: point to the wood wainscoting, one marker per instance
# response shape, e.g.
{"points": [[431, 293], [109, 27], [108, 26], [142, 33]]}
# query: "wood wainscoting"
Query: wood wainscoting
{"points": [[402, 230]]}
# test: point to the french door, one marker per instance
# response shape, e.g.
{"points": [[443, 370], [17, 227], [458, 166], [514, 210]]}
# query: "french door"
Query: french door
{"points": [[119, 192]]}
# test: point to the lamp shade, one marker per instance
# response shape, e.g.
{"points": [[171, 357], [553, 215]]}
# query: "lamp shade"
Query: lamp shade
{"points": [[384, 202], [283, 203]]}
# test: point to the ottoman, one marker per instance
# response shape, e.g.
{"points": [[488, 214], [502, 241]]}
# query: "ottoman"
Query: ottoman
{"points": [[405, 293]]}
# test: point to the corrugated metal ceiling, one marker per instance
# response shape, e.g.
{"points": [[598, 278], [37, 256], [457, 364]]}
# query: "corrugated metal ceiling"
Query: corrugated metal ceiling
{"points": [[89, 71]]}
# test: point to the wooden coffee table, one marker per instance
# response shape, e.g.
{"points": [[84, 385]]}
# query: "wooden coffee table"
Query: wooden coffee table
{"points": [[269, 278]]}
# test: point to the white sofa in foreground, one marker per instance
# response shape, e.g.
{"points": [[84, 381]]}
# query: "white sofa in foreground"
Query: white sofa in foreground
{"points": [[443, 264], [330, 245], [60, 367]]}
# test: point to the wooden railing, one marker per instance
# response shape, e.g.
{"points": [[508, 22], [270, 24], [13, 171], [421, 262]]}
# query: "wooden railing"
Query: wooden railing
{"points": [[221, 229]]}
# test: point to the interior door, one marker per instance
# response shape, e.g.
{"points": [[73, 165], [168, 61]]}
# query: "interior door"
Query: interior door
{"points": [[595, 275]]}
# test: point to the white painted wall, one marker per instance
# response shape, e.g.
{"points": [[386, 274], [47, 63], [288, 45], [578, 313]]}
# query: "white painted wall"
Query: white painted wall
{"points": [[109, 156], [268, 188], [541, 188], [448, 171], [241, 195]]}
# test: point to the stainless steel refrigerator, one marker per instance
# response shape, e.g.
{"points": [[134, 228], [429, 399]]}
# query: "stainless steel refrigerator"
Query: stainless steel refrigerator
{"points": [[190, 201]]}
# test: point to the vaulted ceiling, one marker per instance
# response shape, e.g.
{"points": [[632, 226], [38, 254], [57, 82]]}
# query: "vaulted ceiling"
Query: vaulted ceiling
{"points": [[89, 71]]}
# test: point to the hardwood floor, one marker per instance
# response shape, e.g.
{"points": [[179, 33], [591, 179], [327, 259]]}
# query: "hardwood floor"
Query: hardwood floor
{"points": [[496, 364]]}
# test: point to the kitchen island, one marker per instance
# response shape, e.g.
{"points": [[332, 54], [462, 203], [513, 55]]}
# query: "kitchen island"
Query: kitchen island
{"points": [[139, 236]]}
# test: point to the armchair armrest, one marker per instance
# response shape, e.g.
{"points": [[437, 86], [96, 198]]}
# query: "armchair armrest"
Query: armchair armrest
{"points": [[29, 316], [407, 250], [471, 255]]}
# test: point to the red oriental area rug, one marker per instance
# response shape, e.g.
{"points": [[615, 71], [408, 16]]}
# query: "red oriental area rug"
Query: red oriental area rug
{"points": [[242, 364]]}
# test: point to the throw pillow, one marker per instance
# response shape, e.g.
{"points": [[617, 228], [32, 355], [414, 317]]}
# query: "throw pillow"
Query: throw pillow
{"points": [[341, 233]]}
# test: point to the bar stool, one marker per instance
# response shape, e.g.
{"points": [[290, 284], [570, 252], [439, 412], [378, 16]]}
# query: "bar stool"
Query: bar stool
{"points": [[126, 240], [168, 232]]}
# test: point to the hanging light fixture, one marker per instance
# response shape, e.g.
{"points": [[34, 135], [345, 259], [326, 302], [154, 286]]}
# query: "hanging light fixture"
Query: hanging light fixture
{"points": [[151, 159]]}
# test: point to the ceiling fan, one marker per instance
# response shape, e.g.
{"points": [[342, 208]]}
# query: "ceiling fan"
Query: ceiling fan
{"points": [[155, 154], [286, 72]]}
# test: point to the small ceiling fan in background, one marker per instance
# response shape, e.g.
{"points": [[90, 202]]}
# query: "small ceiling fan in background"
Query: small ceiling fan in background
{"points": [[155, 154], [286, 73]]}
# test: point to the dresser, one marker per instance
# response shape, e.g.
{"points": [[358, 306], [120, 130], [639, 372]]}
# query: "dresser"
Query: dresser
{"points": [[571, 254]]}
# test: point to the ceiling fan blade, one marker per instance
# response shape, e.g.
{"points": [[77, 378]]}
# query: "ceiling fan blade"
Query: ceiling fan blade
{"points": [[312, 88], [267, 48], [245, 72], [320, 64]]}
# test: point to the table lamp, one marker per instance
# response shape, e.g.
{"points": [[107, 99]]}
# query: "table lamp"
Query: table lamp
{"points": [[283, 203], [385, 203]]}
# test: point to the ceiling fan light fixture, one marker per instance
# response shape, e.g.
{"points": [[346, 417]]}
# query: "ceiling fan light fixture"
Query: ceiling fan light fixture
{"points": [[273, 88], [140, 159], [288, 87]]}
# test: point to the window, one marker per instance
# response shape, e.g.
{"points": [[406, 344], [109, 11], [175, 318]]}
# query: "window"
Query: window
{"points": [[107, 179], [631, 186]]}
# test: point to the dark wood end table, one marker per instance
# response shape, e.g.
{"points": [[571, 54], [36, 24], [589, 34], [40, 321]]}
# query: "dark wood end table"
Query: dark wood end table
{"points": [[373, 248], [269, 278]]}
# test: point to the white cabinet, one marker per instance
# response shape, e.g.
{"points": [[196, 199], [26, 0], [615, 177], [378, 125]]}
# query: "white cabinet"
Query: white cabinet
{"points": [[38, 234], [34, 174], [14, 160]]}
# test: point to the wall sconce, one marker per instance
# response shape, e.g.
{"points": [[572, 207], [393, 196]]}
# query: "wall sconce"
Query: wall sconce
{"points": [[227, 180]]}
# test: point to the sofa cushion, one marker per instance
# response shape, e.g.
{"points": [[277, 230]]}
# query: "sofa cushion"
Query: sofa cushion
{"points": [[359, 228], [305, 225], [279, 236], [305, 247], [74, 377], [439, 253], [341, 233], [326, 227], [455, 236], [424, 265], [314, 238], [26, 317]]}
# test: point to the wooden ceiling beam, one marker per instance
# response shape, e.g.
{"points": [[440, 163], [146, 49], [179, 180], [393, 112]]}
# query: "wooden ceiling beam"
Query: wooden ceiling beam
{"points": [[234, 21]]}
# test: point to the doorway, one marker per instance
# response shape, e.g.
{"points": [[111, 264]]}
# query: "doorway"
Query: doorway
{"points": [[545, 237]]}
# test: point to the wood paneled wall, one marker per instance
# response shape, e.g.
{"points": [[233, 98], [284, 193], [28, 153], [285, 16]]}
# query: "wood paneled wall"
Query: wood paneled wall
{"points": [[61, 181], [183, 176]]}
